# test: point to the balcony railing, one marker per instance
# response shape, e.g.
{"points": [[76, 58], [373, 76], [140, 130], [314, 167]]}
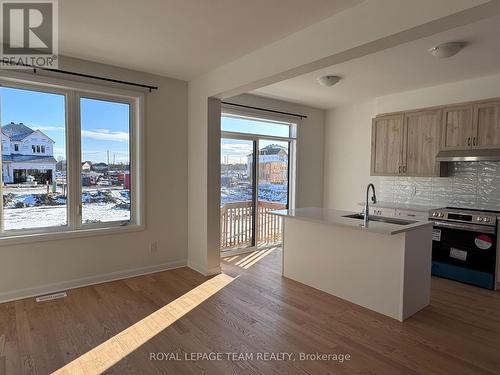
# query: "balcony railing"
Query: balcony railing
{"points": [[236, 224]]}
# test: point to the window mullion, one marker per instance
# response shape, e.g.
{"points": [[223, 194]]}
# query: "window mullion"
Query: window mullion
{"points": [[74, 161]]}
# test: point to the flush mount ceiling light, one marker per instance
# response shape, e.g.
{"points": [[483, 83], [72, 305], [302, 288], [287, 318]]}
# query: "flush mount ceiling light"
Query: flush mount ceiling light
{"points": [[445, 50], [328, 80]]}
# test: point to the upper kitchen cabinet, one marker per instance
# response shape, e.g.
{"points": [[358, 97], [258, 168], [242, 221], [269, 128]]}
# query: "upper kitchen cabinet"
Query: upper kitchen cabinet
{"points": [[387, 145], [457, 128], [486, 125], [423, 142]]}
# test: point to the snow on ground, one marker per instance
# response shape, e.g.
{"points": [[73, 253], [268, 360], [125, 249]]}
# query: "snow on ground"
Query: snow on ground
{"points": [[54, 216], [27, 208], [267, 192]]}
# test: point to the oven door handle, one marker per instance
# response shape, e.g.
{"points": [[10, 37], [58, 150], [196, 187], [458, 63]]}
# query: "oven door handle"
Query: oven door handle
{"points": [[467, 227]]}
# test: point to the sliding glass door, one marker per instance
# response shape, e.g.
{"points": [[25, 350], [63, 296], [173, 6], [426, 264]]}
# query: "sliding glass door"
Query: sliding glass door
{"points": [[255, 179], [273, 188], [237, 193]]}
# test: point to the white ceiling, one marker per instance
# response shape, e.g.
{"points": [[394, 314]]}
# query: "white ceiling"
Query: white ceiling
{"points": [[401, 68], [181, 38]]}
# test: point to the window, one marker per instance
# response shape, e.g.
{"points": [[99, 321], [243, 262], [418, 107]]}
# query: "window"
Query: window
{"points": [[27, 202], [105, 132], [82, 171]]}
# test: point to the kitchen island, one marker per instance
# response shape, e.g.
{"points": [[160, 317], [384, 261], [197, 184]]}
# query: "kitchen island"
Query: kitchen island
{"points": [[385, 267]]}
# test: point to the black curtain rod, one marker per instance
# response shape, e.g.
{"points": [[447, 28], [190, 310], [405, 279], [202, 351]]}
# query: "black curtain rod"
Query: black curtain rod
{"points": [[35, 68], [266, 110]]}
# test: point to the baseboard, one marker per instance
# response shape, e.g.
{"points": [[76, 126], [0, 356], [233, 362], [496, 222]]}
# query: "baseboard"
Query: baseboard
{"points": [[200, 269], [86, 281]]}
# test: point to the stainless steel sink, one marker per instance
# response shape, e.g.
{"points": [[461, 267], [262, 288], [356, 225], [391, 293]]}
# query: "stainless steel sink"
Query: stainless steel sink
{"points": [[388, 220]]}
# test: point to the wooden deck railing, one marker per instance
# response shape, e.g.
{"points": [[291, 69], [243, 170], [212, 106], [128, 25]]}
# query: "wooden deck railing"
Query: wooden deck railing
{"points": [[236, 224]]}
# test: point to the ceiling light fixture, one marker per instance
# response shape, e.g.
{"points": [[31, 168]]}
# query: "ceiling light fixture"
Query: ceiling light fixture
{"points": [[445, 50], [328, 80]]}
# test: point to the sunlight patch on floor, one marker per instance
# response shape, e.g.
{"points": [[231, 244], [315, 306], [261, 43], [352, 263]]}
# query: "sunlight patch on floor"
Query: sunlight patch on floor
{"points": [[248, 260], [102, 357], [260, 256]]}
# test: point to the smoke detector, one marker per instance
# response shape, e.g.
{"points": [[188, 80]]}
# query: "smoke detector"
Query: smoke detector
{"points": [[445, 50], [328, 80]]}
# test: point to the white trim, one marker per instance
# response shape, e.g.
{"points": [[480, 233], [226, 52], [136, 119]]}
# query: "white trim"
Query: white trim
{"points": [[54, 234], [90, 280]]}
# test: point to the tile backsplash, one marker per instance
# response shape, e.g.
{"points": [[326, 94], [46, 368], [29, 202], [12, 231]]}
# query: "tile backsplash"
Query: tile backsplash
{"points": [[470, 185]]}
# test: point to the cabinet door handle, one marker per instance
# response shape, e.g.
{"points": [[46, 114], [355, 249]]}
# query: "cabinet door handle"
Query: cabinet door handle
{"points": [[404, 169], [399, 169], [468, 141], [474, 141]]}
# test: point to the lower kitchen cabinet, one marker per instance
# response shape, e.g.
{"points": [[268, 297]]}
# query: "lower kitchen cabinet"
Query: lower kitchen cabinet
{"points": [[412, 215]]}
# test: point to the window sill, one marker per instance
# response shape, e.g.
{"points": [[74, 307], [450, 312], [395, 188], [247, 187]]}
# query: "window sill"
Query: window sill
{"points": [[68, 234]]}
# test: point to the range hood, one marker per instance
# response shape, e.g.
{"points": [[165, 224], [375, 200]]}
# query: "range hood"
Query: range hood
{"points": [[468, 155]]}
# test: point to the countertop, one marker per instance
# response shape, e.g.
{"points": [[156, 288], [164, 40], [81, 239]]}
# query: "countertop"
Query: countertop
{"points": [[402, 206], [336, 217]]}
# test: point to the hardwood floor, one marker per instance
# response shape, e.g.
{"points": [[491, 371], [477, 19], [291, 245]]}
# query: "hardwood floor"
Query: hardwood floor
{"points": [[251, 310]]}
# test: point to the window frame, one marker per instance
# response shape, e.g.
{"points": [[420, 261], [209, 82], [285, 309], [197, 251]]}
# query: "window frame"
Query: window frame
{"points": [[73, 90]]}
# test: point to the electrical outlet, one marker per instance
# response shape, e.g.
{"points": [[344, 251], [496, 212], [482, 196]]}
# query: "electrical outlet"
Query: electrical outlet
{"points": [[153, 247]]}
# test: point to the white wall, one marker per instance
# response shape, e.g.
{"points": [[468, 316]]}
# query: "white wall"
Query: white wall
{"points": [[309, 186], [38, 267], [347, 154], [348, 134]]}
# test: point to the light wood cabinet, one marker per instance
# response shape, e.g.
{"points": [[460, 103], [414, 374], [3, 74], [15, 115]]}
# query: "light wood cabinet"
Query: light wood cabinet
{"points": [[486, 126], [387, 145], [423, 142], [457, 127], [406, 144]]}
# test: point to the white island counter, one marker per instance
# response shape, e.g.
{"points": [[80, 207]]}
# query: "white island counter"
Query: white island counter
{"points": [[385, 267]]}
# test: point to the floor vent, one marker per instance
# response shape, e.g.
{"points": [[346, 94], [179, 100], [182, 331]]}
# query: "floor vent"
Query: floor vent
{"points": [[50, 297]]}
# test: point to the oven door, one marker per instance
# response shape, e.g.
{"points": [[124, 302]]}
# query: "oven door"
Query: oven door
{"points": [[464, 253]]}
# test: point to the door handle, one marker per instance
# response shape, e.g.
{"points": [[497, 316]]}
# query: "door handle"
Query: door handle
{"points": [[404, 169], [474, 141], [399, 169], [468, 141]]}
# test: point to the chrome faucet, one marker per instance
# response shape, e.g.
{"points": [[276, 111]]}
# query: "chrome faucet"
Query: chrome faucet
{"points": [[367, 206]]}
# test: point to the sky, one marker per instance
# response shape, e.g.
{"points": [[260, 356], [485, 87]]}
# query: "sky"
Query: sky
{"points": [[235, 151], [105, 125], [249, 126]]}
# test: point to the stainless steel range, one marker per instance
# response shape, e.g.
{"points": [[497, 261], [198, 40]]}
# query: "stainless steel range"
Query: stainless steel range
{"points": [[464, 245]]}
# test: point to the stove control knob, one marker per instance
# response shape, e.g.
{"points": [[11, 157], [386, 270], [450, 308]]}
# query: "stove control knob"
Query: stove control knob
{"points": [[435, 214], [486, 219], [479, 218], [440, 214]]}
